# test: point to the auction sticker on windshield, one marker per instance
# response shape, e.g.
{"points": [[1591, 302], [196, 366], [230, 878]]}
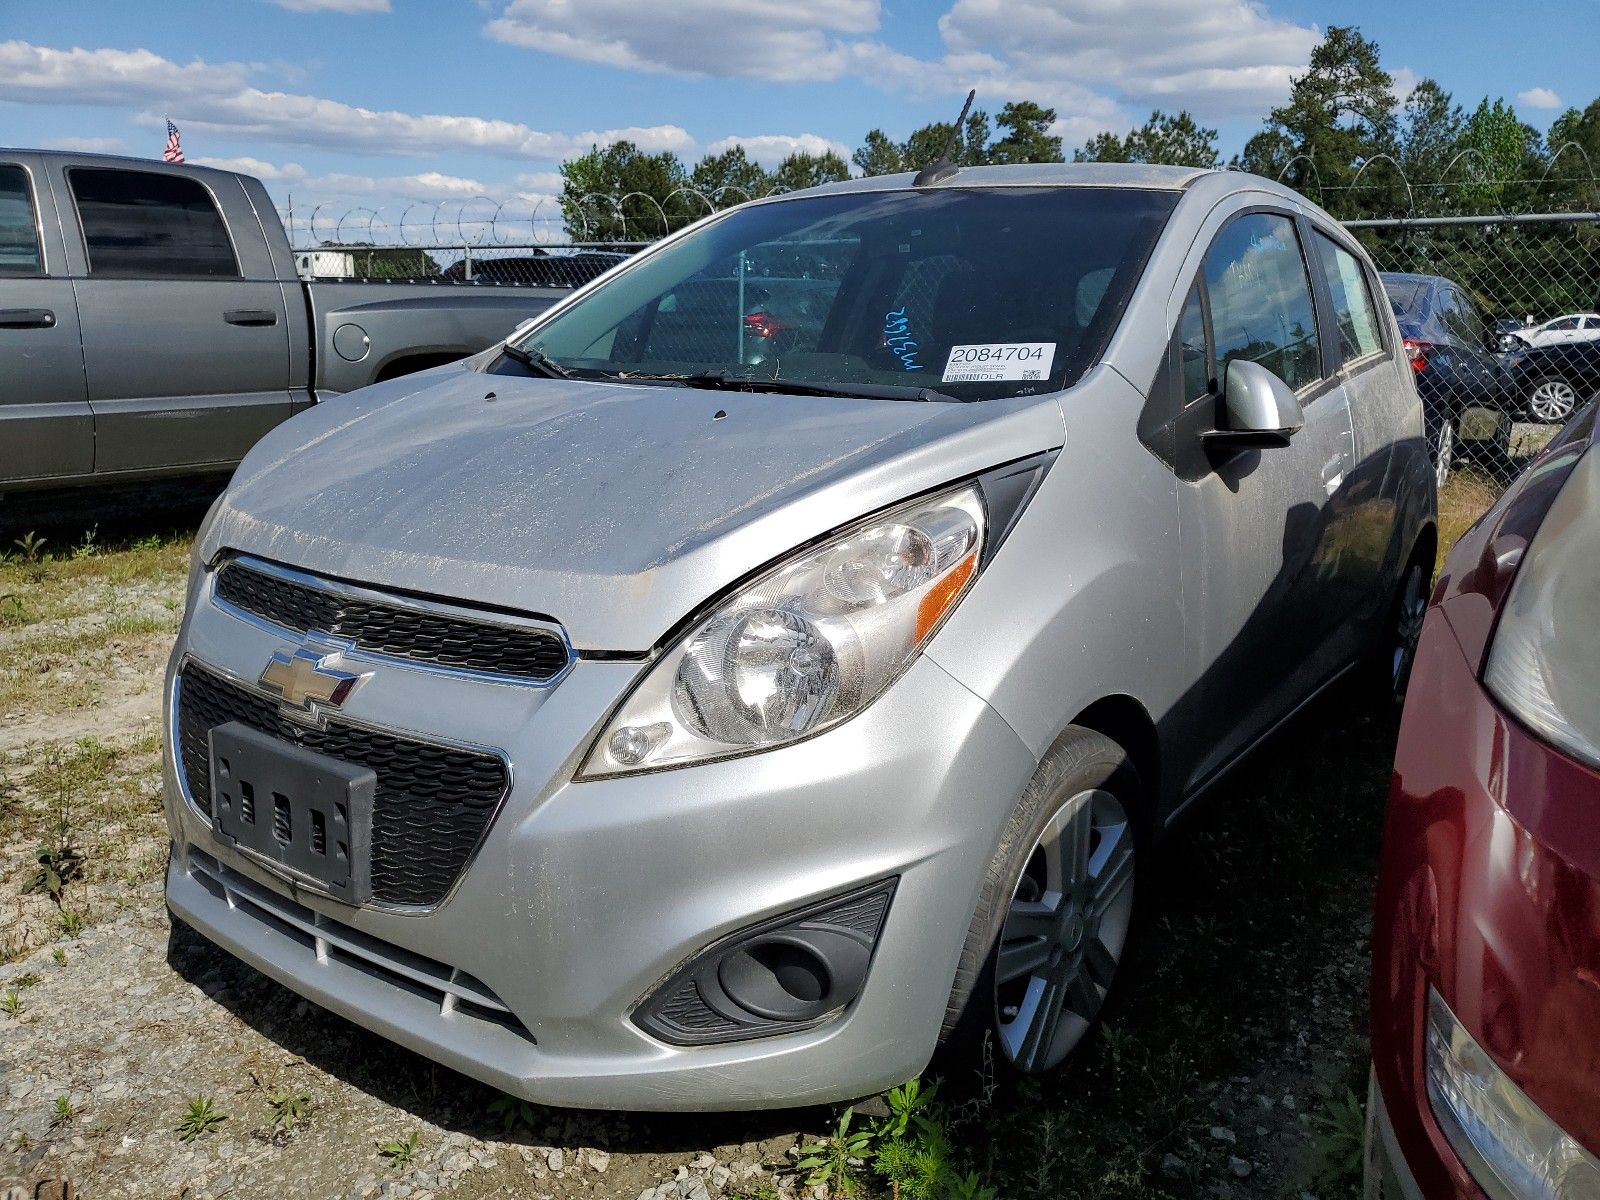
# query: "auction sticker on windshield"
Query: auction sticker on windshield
{"points": [[995, 361]]}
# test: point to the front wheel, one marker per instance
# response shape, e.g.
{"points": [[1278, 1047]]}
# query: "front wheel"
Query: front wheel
{"points": [[1442, 450], [1054, 915]]}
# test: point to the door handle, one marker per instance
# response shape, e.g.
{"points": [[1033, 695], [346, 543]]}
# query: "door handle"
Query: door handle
{"points": [[250, 316], [27, 318]]}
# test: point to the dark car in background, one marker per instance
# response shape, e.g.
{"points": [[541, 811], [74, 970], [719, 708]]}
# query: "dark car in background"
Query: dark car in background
{"points": [[1452, 353], [1552, 382], [1485, 1000], [536, 269]]}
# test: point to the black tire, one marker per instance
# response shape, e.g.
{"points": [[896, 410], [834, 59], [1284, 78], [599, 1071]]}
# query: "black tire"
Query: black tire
{"points": [[1080, 761], [1393, 655]]}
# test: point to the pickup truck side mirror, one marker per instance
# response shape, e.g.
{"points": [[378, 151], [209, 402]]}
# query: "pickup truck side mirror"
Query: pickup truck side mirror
{"points": [[1258, 408]]}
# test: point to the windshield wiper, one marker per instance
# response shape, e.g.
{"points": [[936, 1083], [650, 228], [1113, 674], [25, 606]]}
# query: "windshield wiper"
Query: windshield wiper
{"points": [[536, 360], [723, 382]]}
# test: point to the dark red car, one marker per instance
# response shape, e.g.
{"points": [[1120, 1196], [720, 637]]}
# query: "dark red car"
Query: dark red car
{"points": [[1486, 972]]}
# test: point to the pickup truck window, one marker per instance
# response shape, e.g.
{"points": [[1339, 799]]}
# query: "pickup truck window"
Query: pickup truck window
{"points": [[19, 230], [976, 293], [141, 223]]}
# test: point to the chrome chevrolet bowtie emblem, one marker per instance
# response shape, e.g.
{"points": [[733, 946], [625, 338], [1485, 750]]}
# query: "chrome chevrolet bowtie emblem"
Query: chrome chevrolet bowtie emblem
{"points": [[308, 679]]}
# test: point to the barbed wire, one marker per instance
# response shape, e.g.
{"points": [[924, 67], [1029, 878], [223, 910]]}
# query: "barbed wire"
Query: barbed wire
{"points": [[487, 222]]}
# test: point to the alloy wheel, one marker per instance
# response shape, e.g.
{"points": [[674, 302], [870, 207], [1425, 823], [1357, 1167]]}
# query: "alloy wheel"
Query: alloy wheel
{"points": [[1412, 608], [1552, 400], [1444, 452], [1065, 931]]}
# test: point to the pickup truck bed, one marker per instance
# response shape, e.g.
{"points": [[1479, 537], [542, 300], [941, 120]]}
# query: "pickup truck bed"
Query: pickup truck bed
{"points": [[152, 323]]}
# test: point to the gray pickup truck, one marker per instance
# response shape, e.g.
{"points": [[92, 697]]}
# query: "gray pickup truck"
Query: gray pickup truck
{"points": [[152, 323]]}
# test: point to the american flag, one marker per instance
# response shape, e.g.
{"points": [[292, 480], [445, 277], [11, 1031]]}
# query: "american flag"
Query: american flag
{"points": [[174, 151]]}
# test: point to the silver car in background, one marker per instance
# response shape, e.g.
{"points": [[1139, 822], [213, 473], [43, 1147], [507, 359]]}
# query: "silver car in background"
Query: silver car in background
{"points": [[769, 667]]}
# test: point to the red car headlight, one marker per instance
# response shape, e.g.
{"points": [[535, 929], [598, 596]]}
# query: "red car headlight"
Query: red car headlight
{"points": [[1544, 663]]}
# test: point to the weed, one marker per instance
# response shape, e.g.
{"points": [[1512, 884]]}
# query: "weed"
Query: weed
{"points": [[832, 1163], [59, 955], [87, 546], [22, 1141], [515, 1115], [71, 922], [290, 1110], [1336, 1144], [59, 860], [62, 1111], [200, 1116], [13, 610], [11, 1004], [27, 980], [765, 1190], [399, 1151]]}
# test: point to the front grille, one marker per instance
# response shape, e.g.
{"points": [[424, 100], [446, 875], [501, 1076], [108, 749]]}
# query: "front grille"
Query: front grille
{"points": [[432, 805], [396, 629]]}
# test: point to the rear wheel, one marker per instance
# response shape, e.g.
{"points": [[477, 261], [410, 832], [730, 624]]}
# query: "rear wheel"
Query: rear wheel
{"points": [[1054, 915], [1396, 650], [1442, 449], [1551, 400]]}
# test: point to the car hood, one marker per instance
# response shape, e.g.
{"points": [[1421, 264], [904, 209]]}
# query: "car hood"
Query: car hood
{"points": [[614, 509]]}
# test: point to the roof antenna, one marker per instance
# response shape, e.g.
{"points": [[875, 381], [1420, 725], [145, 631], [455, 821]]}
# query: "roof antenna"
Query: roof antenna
{"points": [[942, 168]]}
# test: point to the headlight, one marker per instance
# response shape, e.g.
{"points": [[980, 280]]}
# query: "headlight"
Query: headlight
{"points": [[1544, 665], [805, 646], [1512, 1149], [197, 565]]}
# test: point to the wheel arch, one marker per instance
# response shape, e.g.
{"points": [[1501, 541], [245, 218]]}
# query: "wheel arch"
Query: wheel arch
{"points": [[1126, 722]]}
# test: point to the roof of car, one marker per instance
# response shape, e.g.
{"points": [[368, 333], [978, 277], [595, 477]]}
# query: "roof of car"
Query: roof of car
{"points": [[1121, 175]]}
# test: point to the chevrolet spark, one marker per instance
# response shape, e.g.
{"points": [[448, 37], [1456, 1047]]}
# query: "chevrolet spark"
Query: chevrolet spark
{"points": [[772, 665]]}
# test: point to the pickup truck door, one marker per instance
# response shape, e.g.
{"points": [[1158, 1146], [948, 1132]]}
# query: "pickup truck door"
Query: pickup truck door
{"points": [[185, 330], [46, 428]]}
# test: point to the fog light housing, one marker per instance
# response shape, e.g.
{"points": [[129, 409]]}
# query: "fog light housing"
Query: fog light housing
{"points": [[788, 973], [1509, 1146]]}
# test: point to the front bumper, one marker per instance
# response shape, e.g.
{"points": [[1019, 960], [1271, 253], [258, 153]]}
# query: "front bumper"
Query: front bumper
{"points": [[584, 896], [1490, 892]]}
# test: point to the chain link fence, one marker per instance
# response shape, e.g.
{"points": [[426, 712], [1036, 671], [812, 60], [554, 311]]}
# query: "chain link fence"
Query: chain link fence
{"points": [[1500, 314]]}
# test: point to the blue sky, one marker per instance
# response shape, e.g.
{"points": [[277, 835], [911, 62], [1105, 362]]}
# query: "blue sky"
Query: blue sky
{"points": [[463, 97]]}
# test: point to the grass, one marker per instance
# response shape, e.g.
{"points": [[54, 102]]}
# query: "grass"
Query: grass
{"points": [[401, 1151]]}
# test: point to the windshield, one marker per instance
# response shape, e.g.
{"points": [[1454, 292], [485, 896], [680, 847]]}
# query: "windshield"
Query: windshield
{"points": [[971, 294]]}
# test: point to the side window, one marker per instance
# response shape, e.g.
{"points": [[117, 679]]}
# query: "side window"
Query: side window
{"points": [[19, 230], [1564, 324], [1353, 309], [143, 224], [1473, 330], [1196, 375], [1261, 299]]}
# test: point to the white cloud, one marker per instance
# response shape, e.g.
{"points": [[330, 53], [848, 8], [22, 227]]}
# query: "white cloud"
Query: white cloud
{"points": [[334, 6], [245, 165], [1539, 97], [540, 182], [89, 145], [217, 97], [1218, 57], [42, 74], [750, 39], [773, 148]]}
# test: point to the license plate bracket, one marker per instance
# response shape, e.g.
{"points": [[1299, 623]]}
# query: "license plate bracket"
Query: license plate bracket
{"points": [[306, 814]]}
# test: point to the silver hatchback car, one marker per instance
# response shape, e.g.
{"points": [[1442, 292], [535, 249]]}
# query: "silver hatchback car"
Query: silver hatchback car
{"points": [[769, 666]]}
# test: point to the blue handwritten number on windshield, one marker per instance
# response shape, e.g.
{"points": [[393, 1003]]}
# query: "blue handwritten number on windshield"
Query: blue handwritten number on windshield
{"points": [[897, 336]]}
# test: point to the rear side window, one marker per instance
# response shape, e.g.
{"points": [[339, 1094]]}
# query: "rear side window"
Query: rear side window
{"points": [[143, 224], [1260, 296], [1353, 309], [19, 231]]}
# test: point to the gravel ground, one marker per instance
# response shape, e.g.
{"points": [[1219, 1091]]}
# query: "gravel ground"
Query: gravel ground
{"points": [[1225, 1067]]}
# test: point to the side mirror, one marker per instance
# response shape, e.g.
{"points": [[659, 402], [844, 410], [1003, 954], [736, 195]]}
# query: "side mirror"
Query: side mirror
{"points": [[1258, 409]]}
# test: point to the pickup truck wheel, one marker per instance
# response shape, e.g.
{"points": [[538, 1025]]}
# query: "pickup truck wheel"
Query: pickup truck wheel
{"points": [[1053, 918]]}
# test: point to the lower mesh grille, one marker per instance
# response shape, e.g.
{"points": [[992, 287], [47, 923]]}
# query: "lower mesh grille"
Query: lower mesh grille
{"points": [[453, 990], [432, 806]]}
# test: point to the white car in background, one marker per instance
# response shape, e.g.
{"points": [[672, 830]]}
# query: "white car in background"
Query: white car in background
{"points": [[1574, 327]]}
